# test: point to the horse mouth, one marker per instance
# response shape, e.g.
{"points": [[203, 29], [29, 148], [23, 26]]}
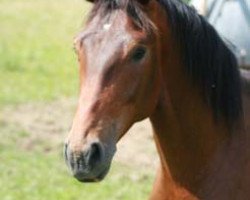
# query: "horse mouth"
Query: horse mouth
{"points": [[96, 179]]}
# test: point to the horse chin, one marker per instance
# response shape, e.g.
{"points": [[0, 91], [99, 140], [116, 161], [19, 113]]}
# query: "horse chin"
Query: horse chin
{"points": [[95, 179]]}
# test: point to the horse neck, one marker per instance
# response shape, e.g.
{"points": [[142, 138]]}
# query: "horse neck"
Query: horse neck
{"points": [[199, 157]]}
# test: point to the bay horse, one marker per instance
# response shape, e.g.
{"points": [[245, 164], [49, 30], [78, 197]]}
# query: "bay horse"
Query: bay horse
{"points": [[159, 59]]}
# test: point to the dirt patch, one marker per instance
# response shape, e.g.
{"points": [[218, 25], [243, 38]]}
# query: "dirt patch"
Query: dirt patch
{"points": [[48, 124]]}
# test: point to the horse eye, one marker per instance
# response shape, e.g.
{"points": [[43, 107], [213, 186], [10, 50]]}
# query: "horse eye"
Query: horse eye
{"points": [[139, 54]]}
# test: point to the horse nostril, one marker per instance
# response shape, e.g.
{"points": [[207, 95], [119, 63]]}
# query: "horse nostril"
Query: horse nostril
{"points": [[94, 155]]}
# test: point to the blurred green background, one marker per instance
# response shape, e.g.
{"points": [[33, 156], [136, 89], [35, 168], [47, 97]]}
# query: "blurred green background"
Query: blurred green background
{"points": [[38, 85]]}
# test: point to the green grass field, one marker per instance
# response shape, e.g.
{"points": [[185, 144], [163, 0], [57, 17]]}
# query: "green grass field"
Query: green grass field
{"points": [[37, 64], [37, 60]]}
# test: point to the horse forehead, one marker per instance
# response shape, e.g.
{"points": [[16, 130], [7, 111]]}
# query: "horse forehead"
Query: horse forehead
{"points": [[107, 39], [110, 36], [114, 29], [101, 46]]}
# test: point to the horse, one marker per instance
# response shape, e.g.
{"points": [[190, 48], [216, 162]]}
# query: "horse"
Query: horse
{"points": [[159, 59]]}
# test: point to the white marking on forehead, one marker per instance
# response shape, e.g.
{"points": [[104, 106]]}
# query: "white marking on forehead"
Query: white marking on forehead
{"points": [[106, 27]]}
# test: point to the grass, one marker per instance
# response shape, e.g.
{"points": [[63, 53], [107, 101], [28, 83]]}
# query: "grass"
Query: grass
{"points": [[36, 176], [37, 60], [36, 171]]}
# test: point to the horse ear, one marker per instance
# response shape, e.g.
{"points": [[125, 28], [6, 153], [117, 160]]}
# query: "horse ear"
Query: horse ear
{"points": [[143, 2]]}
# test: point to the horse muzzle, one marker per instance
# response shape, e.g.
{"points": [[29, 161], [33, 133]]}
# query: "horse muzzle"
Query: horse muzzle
{"points": [[91, 164]]}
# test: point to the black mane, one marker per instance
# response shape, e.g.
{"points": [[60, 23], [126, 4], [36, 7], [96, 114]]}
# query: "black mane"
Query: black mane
{"points": [[207, 59]]}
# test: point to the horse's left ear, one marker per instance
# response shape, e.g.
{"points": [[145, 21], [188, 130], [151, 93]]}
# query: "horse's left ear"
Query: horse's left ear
{"points": [[143, 2], [91, 1]]}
